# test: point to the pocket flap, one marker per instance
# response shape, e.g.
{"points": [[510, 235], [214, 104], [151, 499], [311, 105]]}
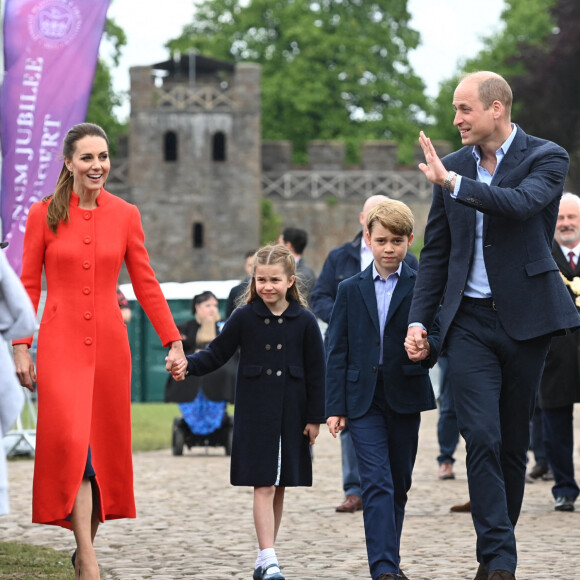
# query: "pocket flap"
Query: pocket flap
{"points": [[541, 266], [296, 372]]}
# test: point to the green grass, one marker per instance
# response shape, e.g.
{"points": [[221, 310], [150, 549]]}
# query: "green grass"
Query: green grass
{"points": [[23, 562], [151, 423]]}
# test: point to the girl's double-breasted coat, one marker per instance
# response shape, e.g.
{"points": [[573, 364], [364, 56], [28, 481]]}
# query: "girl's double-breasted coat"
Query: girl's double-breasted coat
{"points": [[279, 389], [83, 358]]}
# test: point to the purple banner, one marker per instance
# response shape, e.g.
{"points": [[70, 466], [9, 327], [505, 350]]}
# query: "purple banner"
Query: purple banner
{"points": [[50, 56]]}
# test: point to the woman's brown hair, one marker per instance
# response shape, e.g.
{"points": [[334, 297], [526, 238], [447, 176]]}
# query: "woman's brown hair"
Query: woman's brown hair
{"points": [[60, 198], [270, 256]]}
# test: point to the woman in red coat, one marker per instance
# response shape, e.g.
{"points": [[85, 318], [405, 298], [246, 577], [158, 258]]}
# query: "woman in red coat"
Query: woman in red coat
{"points": [[81, 235]]}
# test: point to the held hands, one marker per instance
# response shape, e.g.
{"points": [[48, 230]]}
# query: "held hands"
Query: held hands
{"points": [[336, 425], [175, 361], [24, 366], [311, 431], [433, 168], [416, 343]]}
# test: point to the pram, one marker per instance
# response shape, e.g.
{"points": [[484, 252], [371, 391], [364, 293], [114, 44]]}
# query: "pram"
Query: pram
{"points": [[203, 403], [204, 423]]}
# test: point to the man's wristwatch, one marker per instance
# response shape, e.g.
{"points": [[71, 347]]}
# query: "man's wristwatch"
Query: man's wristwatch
{"points": [[450, 177]]}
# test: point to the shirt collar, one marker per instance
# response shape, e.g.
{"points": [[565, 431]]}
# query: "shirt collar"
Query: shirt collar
{"points": [[566, 251], [376, 274], [502, 150]]}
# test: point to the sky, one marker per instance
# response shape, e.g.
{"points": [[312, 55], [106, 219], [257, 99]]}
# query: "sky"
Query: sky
{"points": [[451, 30]]}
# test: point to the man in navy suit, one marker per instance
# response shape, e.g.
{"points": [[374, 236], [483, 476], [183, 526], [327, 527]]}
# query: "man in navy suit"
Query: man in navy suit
{"points": [[487, 259], [343, 262], [371, 382]]}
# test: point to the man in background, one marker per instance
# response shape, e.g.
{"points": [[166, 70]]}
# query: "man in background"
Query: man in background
{"points": [[295, 239]]}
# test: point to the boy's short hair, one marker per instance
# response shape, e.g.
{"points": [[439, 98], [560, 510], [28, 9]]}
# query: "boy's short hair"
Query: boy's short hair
{"points": [[393, 215]]}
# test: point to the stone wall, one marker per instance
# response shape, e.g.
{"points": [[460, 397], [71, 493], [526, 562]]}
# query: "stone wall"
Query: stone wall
{"points": [[224, 197]]}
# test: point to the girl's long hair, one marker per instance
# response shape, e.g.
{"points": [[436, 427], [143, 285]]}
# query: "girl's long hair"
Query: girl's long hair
{"points": [[270, 256], [60, 199]]}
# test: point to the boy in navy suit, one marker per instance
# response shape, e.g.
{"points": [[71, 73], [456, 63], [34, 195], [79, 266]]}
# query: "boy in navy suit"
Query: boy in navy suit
{"points": [[371, 382]]}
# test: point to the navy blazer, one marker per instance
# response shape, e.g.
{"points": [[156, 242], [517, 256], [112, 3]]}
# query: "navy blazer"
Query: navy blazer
{"points": [[354, 349], [342, 263], [520, 209]]}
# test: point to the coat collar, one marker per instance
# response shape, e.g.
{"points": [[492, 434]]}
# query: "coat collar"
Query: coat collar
{"points": [[513, 156], [102, 198], [294, 309]]}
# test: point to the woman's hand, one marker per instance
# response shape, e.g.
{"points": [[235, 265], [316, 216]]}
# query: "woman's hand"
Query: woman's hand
{"points": [[24, 366], [175, 361]]}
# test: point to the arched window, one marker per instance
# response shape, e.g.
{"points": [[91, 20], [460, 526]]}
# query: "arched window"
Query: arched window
{"points": [[197, 235], [170, 146], [219, 146]]}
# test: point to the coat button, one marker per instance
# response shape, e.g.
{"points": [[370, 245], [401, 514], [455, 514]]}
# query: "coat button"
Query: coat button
{"points": [[268, 347], [86, 290], [88, 341], [88, 315], [87, 239], [266, 321], [279, 346], [374, 369], [86, 264], [269, 372], [87, 215], [280, 320], [278, 373]]}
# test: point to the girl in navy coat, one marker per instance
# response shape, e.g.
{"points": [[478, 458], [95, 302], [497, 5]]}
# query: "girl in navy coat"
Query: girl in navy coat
{"points": [[279, 401]]}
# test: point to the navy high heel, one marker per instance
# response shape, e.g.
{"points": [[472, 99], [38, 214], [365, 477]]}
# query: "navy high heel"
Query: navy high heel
{"points": [[73, 558]]}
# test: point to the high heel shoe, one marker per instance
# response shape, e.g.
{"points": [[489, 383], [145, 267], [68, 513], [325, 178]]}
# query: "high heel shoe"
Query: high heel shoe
{"points": [[73, 558]]}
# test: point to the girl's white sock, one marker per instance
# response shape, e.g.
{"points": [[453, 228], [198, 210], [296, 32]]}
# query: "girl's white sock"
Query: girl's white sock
{"points": [[266, 558]]}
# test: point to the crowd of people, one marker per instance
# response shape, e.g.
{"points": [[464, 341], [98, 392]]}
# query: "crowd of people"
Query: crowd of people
{"points": [[494, 300]]}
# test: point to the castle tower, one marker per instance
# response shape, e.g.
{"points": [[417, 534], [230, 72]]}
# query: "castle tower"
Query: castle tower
{"points": [[194, 165]]}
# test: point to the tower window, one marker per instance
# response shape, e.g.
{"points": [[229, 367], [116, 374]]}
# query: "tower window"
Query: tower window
{"points": [[219, 146], [170, 146], [197, 235]]}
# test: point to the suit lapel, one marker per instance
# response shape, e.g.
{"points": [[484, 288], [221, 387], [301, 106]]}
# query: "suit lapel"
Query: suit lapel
{"points": [[403, 287], [367, 289], [511, 160]]}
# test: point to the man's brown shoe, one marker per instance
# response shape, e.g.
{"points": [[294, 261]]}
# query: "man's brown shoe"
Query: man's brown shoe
{"points": [[462, 507], [446, 471], [538, 470], [501, 575], [352, 503], [481, 573]]}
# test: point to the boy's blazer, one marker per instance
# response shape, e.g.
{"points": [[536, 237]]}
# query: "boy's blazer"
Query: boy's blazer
{"points": [[354, 348]]}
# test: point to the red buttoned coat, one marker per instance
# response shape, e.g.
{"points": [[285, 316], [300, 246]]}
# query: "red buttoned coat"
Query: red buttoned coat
{"points": [[83, 358]]}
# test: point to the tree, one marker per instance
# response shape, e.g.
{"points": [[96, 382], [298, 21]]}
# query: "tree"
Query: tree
{"points": [[103, 98], [331, 69], [548, 93], [527, 24]]}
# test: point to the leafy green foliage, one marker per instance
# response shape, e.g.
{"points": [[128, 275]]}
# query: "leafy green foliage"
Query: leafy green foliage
{"points": [[103, 98], [271, 223], [526, 23], [331, 69]]}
